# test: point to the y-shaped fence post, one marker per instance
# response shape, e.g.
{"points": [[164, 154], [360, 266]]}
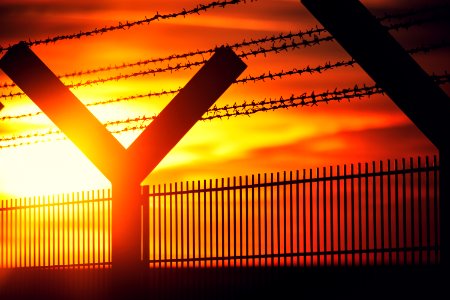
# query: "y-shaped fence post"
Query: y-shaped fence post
{"points": [[403, 80], [125, 168]]}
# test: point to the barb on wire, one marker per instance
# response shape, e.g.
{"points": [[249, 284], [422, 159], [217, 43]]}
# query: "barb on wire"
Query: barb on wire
{"points": [[289, 40], [127, 24], [225, 112]]}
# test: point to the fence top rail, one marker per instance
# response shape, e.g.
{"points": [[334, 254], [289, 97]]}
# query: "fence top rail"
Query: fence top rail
{"points": [[31, 202], [286, 178]]}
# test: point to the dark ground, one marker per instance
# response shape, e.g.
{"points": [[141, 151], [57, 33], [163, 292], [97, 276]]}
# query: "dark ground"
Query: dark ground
{"points": [[232, 283]]}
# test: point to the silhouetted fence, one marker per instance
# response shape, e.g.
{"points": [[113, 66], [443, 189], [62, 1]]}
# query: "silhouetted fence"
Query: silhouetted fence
{"points": [[363, 214]]}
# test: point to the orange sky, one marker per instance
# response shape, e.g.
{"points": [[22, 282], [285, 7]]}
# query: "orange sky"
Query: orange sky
{"points": [[359, 130]]}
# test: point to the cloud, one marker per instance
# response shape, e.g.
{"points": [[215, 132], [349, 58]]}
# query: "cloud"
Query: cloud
{"points": [[23, 20], [350, 147]]}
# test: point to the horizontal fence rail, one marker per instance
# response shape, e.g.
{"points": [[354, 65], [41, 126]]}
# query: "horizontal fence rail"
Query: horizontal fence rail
{"points": [[365, 214]]}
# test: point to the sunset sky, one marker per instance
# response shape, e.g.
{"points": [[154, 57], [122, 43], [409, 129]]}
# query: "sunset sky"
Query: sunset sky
{"points": [[286, 139]]}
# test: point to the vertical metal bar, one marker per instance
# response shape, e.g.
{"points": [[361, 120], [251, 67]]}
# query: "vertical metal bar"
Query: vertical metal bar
{"points": [[192, 219], [405, 228], [332, 250], [24, 224], [98, 228], [50, 231], [291, 217], [33, 243], [159, 223], [182, 223], [38, 225], [374, 212], [338, 194], [352, 200], [234, 219], [318, 216], [345, 216], [389, 225], [253, 220], [204, 216], [199, 238], [83, 224], [246, 220], [223, 217], [419, 208], [19, 233], [171, 263], [145, 191], [366, 175], [360, 230], [265, 219], [382, 221], [311, 224], [89, 226], [211, 225], [78, 205], [105, 228], [278, 219], [154, 223], [297, 198], [27, 233], [397, 216], [271, 218], [324, 196], [165, 224], [427, 199], [240, 221], [8, 234], [436, 178], [16, 243], [160, 240], [229, 221], [284, 215], [109, 225], [2, 241], [217, 227], [411, 187], [177, 256], [304, 214], [259, 219]]}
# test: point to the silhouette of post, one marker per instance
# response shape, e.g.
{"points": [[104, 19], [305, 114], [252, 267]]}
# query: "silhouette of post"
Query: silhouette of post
{"points": [[403, 80], [125, 168]]}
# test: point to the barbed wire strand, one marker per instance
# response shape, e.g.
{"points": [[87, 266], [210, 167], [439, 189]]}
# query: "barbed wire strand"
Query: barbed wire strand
{"points": [[313, 32], [228, 111], [250, 78], [127, 24]]}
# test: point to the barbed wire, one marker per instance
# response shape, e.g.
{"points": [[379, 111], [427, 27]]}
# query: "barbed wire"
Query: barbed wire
{"points": [[250, 78], [127, 24], [244, 43], [227, 111], [292, 44], [313, 32]]}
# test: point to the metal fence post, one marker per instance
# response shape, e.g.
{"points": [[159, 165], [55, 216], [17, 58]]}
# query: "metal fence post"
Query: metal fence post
{"points": [[402, 78], [145, 225]]}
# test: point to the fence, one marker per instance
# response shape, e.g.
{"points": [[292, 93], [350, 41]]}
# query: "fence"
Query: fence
{"points": [[364, 214]]}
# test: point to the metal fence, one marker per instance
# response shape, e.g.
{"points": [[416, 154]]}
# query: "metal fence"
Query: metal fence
{"points": [[364, 214]]}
